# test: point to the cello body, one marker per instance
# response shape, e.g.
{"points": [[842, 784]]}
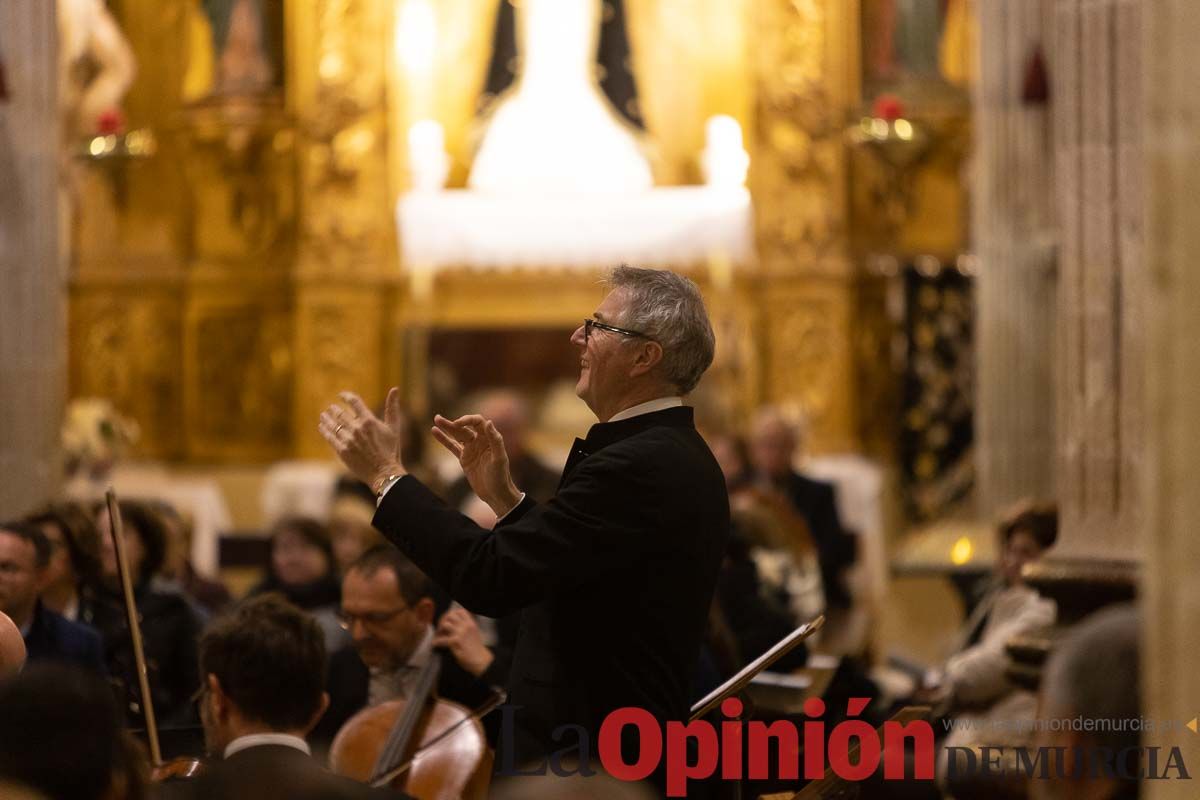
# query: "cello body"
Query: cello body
{"points": [[457, 766]]}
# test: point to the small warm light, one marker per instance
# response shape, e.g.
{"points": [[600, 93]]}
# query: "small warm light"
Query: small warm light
{"points": [[98, 146], [961, 552], [331, 66], [904, 129], [879, 128]]}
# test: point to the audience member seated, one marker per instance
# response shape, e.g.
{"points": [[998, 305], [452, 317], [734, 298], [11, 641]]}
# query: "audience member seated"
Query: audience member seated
{"points": [[774, 443], [169, 625], [509, 413], [974, 676], [12, 647], [350, 528], [24, 558], [388, 608], [75, 561], [756, 618], [1092, 673], [972, 686], [264, 671], [60, 736], [207, 596], [302, 570], [782, 549], [733, 457]]}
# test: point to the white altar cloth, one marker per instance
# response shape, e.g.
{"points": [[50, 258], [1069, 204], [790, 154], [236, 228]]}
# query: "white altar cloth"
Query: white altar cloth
{"points": [[673, 226]]}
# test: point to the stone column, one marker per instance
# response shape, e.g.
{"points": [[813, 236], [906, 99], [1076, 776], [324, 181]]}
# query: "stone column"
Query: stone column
{"points": [[1014, 236], [1171, 546], [32, 359], [1098, 176]]}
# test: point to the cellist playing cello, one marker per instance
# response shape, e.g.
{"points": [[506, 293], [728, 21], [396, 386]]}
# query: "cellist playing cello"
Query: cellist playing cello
{"points": [[615, 575]]}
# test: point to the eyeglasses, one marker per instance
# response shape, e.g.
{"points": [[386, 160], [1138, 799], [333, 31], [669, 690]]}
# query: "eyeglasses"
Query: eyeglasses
{"points": [[590, 323], [370, 619]]}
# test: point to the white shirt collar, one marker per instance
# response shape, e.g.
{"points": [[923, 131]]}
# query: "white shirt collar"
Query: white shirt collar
{"points": [[258, 739], [647, 407]]}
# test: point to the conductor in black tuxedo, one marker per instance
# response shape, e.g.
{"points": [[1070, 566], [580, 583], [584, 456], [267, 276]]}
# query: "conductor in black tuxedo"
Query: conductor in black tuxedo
{"points": [[613, 576]]}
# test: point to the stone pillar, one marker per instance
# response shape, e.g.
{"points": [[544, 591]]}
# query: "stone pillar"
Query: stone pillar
{"points": [[1098, 176], [1171, 547], [32, 360], [1014, 236]]}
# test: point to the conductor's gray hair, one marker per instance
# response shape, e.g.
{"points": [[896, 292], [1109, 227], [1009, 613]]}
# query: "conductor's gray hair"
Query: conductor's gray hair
{"points": [[669, 309], [1093, 673]]}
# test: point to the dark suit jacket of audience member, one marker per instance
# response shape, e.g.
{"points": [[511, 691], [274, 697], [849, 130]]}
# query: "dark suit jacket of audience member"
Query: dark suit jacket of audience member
{"points": [[836, 549], [270, 772], [53, 637], [614, 576], [755, 622], [349, 681], [170, 630]]}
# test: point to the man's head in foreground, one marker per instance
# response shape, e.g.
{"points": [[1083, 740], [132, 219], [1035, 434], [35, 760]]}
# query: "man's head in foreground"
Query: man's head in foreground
{"points": [[262, 668], [1092, 673]]}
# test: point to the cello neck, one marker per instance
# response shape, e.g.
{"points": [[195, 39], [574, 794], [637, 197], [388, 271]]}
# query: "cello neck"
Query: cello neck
{"points": [[401, 739]]}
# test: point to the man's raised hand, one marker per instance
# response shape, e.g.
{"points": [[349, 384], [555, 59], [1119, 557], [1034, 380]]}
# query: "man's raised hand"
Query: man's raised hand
{"points": [[367, 445], [479, 448]]}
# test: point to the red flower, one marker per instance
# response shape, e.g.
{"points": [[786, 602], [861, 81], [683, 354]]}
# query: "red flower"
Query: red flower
{"points": [[110, 121], [888, 106]]}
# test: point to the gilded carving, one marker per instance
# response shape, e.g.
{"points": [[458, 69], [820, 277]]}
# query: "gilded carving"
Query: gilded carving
{"points": [[125, 346], [798, 181], [238, 370], [337, 346], [241, 182], [341, 103], [798, 163]]}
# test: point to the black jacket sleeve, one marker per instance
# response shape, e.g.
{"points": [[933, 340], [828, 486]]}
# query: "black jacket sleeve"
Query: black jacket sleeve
{"points": [[601, 517]]}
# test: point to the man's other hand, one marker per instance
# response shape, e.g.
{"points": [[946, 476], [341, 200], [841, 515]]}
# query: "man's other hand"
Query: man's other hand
{"points": [[367, 445], [458, 632], [479, 448]]}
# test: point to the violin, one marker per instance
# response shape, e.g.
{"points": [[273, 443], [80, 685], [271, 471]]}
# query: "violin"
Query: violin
{"points": [[178, 769], [430, 748]]}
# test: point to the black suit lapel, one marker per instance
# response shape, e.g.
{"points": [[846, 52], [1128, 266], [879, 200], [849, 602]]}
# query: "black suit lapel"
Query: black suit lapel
{"points": [[602, 434], [579, 451]]}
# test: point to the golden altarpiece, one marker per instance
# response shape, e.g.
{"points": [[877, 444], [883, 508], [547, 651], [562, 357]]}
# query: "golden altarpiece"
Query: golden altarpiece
{"points": [[226, 287]]}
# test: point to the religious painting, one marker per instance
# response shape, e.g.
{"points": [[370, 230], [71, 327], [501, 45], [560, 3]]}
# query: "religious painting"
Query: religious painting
{"points": [[906, 42], [235, 49]]}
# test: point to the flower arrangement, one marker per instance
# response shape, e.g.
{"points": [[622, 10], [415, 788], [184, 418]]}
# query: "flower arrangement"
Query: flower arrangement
{"points": [[94, 437]]}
